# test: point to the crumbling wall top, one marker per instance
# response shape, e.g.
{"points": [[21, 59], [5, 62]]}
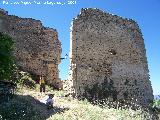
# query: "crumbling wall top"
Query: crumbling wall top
{"points": [[2, 11], [92, 14]]}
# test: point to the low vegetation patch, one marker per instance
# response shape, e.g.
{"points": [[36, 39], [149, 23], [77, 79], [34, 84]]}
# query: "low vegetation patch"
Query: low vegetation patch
{"points": [[25, 105], [19, 108]]}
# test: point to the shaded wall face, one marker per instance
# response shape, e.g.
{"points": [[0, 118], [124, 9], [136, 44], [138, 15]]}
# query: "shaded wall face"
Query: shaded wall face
{"points": [[109, 58], [37, 49]]}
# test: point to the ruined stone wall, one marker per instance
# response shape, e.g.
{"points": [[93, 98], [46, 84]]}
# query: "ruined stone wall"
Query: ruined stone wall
{"points": [[108, 58], [37, 49]]}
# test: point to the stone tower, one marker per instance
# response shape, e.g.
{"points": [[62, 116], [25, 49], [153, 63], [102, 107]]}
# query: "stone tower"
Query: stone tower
{"points": [[108, 58], [37, 48]]}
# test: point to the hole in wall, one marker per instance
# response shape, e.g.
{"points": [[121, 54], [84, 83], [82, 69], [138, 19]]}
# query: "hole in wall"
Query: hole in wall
{"points": [[126, 82], [112, 52]]}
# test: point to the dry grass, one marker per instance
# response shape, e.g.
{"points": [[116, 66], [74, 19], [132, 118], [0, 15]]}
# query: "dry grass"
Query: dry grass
{"points": [[83, 110], [67, 108]]}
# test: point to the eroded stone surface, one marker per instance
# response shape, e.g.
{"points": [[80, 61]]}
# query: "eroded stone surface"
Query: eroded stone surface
{"points": [[108, 58], [37, 48]]}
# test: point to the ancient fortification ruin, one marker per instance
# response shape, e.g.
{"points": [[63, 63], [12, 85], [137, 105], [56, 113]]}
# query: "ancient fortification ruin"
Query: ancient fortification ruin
{"points": [[108, 58], [37, 49]]}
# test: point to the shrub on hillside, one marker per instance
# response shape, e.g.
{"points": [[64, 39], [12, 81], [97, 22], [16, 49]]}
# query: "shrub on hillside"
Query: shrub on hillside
{"points": [[25, 79], [6, 57], [156, 105]]}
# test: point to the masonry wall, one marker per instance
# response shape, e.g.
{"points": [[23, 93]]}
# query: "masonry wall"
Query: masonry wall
{"points": [[108, 58], [37, 48]]}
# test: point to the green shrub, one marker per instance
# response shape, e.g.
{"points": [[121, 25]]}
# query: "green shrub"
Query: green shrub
{"points": [[6, 57], [156, 106], [25, 79], [156, 103]]}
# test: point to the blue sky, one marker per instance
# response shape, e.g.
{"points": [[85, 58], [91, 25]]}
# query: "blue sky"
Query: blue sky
{"points": [[145, 12]]}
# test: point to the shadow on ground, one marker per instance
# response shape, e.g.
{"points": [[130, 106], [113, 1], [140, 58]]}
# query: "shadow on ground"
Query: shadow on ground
{"points": [[26, 108]]}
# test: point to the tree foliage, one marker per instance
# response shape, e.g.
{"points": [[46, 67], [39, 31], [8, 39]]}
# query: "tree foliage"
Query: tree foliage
{"points": [[6, 57]]}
